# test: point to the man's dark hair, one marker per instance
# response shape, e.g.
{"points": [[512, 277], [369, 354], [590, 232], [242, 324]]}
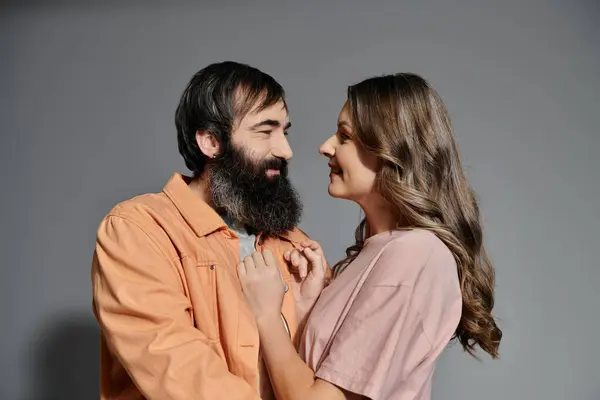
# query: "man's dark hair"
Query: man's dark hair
{"points": [[216, 97]]}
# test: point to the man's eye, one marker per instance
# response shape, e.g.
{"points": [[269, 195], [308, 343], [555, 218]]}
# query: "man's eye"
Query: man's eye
{"points": [[286, 133], [266, 132]]}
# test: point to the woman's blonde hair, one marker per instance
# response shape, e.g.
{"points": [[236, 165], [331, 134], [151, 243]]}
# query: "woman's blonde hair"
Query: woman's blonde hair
{"points": [[401, 119]]}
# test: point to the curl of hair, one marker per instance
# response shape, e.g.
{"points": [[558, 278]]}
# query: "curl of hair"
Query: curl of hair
{"points": [[401, 119]]}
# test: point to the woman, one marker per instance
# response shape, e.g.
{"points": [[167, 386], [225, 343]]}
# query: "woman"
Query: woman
{"points": [[417, 276]]}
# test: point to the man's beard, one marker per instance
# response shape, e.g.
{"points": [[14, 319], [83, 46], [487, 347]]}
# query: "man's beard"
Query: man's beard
{"points": [[242, 190]]}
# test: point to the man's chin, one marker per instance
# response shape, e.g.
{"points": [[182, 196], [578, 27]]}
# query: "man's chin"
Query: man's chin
{"points": [[275, 178]]}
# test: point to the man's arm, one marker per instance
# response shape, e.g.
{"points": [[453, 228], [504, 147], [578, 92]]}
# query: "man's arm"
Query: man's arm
{"points": [[145, 316]]}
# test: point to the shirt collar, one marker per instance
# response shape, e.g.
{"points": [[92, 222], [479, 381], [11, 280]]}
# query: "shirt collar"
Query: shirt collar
{"points": [[201, 217]]}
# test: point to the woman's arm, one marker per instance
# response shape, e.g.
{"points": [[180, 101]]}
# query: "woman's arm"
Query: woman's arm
{"points": [[263, 287], [291, 378]]}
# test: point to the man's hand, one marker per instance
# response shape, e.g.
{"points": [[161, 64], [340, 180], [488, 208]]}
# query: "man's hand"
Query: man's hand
{"points": [[262, 284]]}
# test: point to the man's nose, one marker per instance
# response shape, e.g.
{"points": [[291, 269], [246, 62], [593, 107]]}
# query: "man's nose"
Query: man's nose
{"points": [[282, 149]]}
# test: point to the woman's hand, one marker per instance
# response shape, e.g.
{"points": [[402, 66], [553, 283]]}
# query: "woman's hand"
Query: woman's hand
{"points": [[262, 284], [309, 266]]}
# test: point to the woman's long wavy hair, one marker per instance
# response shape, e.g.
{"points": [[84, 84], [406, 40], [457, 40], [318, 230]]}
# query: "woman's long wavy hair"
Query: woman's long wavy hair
{"points": [[401, 119]]}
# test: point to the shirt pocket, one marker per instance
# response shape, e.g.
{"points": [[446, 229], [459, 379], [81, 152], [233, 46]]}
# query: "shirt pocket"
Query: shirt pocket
{"points": [[248, 343], [202, 293]]}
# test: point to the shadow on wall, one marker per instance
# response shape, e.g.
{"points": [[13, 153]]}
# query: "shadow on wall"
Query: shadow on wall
{"points": [[65, 359]]}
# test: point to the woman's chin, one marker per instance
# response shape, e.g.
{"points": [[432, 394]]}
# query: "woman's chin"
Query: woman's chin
{"points": [[335, 191]]}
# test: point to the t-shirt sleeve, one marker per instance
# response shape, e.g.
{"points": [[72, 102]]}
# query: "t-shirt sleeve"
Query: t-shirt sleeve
{"points": [[382, 339]]}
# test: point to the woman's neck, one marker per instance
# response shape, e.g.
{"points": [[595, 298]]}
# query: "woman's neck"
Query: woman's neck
{"points": [[379, 215]]}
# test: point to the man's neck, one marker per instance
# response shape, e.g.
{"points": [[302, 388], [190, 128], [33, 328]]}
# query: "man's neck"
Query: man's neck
{"points": [[199, 186], [233, 223]]}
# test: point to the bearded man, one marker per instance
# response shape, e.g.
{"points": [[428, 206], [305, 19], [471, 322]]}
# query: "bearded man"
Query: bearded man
{"points": [[174, 321]]}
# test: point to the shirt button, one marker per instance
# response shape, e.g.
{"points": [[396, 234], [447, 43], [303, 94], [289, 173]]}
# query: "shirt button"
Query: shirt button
{"points": [[212, 267]]}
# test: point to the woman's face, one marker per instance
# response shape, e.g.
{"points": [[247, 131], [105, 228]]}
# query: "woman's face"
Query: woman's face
{"points": [[352, 169]]}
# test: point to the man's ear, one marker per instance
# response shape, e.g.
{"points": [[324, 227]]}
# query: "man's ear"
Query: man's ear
{"points": [[207, 143]]}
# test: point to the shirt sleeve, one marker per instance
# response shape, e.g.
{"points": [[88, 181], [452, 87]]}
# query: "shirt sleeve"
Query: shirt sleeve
{"points": [[382, 339], [143, 312]]}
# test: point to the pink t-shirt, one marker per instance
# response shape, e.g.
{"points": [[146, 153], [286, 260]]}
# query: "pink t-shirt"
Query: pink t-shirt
{"points": [[380, 326]]}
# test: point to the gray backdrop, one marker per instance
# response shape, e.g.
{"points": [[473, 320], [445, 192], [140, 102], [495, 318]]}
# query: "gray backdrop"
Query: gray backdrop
{"points": [[87, 96]]}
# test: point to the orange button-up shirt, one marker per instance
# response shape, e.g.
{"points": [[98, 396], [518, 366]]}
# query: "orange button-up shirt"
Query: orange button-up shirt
{"points": [[174, 321]]}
